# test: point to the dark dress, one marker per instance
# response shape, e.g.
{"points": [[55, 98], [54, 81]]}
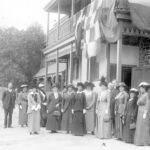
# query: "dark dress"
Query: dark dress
{"points": [[43, 108], [53, 120], [67, 114], [113, 94], [130, 117], [142, 136], [78, 123]]}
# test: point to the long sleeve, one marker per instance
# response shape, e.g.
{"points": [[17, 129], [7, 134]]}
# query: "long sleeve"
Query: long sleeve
{"points": [[84, 101], [147, 104], [3, 96]]}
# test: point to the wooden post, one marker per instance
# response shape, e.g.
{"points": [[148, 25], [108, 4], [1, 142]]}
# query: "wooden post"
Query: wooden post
{"points": [[119, 59], [46, 73], [58, 23], [47, 37], [57, 66], [57, 51], [89, 69], [70, 67], [108, 61]]}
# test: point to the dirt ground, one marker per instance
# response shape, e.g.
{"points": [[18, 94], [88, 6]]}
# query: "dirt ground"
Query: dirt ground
{"points": [[18, 138]]}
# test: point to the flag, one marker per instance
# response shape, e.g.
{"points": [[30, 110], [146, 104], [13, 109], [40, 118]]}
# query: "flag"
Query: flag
{"points": [[92, 34], [140, 13], [79, 32]]}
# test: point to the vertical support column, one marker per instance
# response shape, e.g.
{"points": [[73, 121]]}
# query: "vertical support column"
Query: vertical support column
{"points": [[57, 51], [119, 59], [57, 66], [47, 37], [46, 74], [70, 66], [89, 69], [108, 61], [58, 23]]}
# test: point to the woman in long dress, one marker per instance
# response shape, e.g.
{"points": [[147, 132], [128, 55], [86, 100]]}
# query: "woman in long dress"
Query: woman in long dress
{"points": [[23, 105], [67, 100], [78, 110], [121, 101], [90, 116], [142, 136], [34, 106], [103, 120], [130, 117], [54, 110]]}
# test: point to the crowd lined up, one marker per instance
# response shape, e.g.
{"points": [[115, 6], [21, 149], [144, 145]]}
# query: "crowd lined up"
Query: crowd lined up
{"points": [[109, 112]]}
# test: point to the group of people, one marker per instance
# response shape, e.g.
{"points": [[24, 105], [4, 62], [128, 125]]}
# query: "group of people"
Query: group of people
{"points": [[112, 111]]}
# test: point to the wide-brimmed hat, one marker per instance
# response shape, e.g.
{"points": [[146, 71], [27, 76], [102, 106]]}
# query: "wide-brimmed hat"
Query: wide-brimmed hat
{"points": [[24, 85], [144, 84], [89, 84], [133, 90], [80, 84], [41, 85], [70, 85], [122, 84]]}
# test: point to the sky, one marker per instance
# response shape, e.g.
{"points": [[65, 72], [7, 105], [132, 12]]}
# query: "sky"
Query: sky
{"points": [[23, 13]]}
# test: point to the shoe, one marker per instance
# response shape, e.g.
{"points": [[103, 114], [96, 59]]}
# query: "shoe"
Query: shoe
{"points": [[31, 133], [53, 132], [5, 127], [36, 133]]}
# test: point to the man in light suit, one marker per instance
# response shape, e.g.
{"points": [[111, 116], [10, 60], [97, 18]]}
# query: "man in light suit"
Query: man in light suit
{"points": [[8, 100]]}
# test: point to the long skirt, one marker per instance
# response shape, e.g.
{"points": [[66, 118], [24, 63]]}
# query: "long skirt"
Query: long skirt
{"points": [[66, 120], [118, 127], [103, 129], [43, 116], [53, 122], [78, 124], [23, 116], [90, 119], [34, 121], [128, 134], [142, 136]]}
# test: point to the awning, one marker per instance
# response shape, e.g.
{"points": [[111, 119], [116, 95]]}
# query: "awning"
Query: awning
{"points": [[51, 70]]}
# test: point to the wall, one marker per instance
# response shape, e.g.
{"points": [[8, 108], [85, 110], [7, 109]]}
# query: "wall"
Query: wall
{"points": [[130, 55]]}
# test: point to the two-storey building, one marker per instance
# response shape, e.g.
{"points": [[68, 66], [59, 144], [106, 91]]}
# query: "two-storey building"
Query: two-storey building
{"points": [[127, 59]]}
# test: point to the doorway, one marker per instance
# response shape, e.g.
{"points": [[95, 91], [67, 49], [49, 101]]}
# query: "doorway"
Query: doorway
{"points": [[127, 75]]}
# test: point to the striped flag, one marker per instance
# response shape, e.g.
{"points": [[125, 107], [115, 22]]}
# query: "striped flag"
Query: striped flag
{"points": [[140, 13], [92, 34]]}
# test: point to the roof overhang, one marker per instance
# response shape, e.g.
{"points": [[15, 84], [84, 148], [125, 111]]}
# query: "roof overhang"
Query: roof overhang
{"points": [[52, 6]]}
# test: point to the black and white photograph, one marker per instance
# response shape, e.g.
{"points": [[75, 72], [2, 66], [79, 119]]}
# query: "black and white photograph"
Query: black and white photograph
{"points": [[74, 74]]}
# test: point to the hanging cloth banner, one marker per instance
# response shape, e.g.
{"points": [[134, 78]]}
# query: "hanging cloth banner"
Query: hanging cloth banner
{"points": [[108, 22], [140, 13]]}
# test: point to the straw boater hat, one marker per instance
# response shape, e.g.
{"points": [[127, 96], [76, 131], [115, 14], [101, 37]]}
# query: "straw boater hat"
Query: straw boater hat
{"points": [[24, 85], [122, 84], [41, 85], [143, 84], [133, 90]]}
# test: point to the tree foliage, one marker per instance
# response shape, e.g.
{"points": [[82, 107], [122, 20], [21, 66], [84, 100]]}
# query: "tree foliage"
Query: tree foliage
{"points": [[20, 53]]}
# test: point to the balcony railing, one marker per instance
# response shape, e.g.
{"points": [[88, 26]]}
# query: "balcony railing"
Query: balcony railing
{"points": [[66, 29]]}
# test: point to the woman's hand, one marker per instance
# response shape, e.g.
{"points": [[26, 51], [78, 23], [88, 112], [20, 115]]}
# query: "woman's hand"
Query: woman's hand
{"points": [[57, 105], [144, 115], [72, 111], [62, 110], [84, 111]]}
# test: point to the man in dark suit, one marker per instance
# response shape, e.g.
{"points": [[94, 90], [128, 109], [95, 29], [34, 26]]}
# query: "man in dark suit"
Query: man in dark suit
{"points": [[8, 100]]}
